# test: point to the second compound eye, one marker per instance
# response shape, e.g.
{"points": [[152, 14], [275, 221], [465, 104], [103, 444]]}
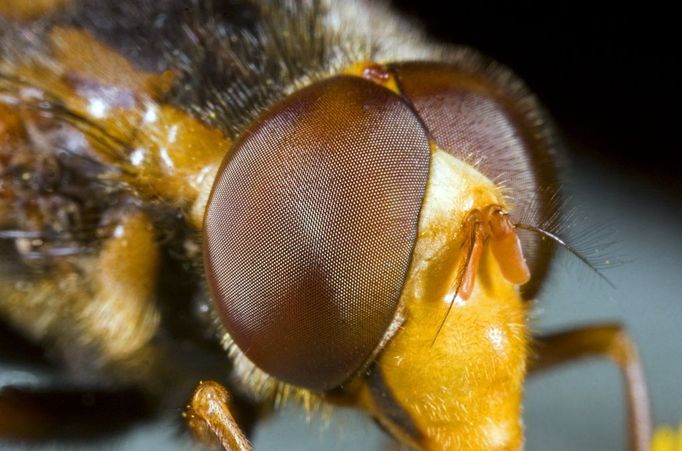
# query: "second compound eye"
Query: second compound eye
{"points": [[310, 228], [486, 118]]}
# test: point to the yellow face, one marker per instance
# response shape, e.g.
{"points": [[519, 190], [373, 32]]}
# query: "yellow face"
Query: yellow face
{"points": [[461, 389]]}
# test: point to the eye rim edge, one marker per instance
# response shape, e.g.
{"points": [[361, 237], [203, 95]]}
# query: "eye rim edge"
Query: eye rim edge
{"points": [[394, 317]]}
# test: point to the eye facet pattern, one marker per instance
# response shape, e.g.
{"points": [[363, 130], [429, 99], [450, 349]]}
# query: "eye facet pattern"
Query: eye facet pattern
{"points": [[310, 228], [494, 125]]}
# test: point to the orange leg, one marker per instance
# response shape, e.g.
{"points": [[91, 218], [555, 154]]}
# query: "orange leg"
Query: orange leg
{"points": [[209, 418], [613, 342]]}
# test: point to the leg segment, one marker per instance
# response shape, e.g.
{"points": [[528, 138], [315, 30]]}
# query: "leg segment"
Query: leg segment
{"points": [[613, 342], [211, 421]]}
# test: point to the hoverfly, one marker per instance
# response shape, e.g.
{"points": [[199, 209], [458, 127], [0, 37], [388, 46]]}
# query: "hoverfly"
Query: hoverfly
{"points": [[357, 215]]}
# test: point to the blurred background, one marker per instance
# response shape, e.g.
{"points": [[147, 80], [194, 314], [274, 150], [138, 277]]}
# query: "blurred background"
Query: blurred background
{"points": [[609, 75], [610, 79]]}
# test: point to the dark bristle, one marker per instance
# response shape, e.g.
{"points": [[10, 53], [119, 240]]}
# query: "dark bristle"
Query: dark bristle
{"points": [[233, 68], [461, 269], [561, 242]]}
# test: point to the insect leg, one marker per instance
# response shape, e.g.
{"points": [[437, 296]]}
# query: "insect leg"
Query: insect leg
{"points": [[210, 418], [604, 340]]}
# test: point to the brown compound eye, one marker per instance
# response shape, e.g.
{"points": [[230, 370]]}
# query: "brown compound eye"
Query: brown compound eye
{"points": [[310, 228], [487, 119]]}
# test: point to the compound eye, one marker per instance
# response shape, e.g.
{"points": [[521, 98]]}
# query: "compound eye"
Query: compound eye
{"points": [[486, 118], [310, 228]]}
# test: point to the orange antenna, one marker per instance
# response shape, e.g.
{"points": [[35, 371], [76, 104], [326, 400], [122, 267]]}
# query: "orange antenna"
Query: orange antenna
{"points": [[506, 247], [492, 225]]}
